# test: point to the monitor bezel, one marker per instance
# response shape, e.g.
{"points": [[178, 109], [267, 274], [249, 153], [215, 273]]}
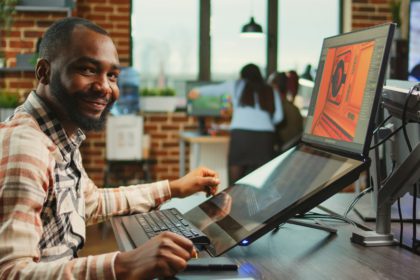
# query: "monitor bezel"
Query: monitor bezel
{"points": [[388, 30]]}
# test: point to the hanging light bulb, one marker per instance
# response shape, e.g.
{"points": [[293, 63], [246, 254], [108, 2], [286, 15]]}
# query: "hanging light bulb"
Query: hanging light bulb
{"points": [[252, 29]]}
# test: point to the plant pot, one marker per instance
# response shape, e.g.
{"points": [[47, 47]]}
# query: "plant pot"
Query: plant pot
{"points": [[43, 3], [158, 103]]}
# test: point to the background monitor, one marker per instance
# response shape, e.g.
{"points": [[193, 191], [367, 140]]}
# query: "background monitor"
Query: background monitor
{"points": [[414, 42], [205, 106], [347, 88]]}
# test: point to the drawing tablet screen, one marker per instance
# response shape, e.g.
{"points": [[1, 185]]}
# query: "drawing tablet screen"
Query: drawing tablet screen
{"points": [[284, 183]]}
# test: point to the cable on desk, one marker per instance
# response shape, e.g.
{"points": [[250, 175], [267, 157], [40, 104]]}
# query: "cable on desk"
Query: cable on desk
{"points": [[333, 216], [415, 241], [356, 199]]}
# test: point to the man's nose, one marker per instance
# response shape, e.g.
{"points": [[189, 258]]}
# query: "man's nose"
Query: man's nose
{"points": [[102, 85]]}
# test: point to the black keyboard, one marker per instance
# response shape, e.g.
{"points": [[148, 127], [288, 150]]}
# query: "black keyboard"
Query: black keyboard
{"points": [[155, 222]]}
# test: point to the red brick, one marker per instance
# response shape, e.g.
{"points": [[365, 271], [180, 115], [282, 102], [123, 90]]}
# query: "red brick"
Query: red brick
{"points": [[44, 23], [170, 127], [160, 136], [21, 85], [23, 23], [126, 2], [97, 18], [123, 9], [21, 44], [157, 118], [32, 34], [103, 9]]}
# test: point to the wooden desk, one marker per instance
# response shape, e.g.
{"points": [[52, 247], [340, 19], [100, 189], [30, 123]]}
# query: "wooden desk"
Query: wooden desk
{"points": [[296, 252], [143, 164]]}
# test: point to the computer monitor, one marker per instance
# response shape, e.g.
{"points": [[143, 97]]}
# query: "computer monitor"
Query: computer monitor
{"points": [[347, 88], [205, 106], [414, 42]]}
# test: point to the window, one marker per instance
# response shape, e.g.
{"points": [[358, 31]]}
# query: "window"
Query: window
{"points": [[166, 33], [165, 42], [302, 26], [229, 50]]}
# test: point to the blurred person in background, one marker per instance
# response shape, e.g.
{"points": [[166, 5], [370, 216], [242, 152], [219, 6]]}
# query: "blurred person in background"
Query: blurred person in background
{"points": [[256, 112], [289, 130]]}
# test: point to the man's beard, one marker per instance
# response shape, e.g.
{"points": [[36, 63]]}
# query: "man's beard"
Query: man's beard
{"points": [[69, 103]]}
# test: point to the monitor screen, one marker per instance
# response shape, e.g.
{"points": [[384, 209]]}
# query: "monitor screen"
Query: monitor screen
{"points": [[347, 88], [414, 42], [205, 105]]}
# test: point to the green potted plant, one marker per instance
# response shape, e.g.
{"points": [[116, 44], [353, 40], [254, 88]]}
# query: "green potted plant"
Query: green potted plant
{"points": [[395, 7], [158, 100], [7, 10], [8, 102]]}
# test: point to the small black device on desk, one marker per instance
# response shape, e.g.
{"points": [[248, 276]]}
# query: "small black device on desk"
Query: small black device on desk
{"points": [[212, 264]]}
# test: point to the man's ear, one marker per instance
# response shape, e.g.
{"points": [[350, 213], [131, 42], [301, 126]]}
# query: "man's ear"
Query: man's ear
{"points": [[43, 71]]}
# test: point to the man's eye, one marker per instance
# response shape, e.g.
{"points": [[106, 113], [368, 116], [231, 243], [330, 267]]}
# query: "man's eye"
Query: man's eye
{"points": [[87, 70], [113, 76]]}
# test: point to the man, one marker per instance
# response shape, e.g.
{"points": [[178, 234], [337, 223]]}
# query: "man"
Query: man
{"points": [[46, 196]]}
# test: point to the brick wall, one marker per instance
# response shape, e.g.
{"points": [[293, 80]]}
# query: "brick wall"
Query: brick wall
{"points": [[366, 13], [114, 15]]}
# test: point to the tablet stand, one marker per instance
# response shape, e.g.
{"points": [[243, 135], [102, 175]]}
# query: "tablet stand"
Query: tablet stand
{"points": [[316, 225]]}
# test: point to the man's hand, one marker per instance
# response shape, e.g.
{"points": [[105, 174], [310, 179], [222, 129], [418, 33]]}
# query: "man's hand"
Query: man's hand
{"points": [[162, 256], [200, 179]]}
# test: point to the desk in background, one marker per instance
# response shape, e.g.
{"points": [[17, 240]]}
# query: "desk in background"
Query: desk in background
{"points": [[205, 150], [117, 176], [296, 252], [210, 151]]}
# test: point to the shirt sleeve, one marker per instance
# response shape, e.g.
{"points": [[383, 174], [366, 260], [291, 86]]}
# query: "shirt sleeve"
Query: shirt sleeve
{"points": [[26, 166], [278, 109], [103, 203], [227, 87]]}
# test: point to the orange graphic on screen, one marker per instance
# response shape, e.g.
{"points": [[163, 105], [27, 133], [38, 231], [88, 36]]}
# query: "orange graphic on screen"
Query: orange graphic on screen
{"points": [[341, 91]]}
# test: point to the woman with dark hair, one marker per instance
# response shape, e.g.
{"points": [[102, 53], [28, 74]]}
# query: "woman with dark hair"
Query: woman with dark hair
{"points": [[289, 131], [256, 111], [292, 84]]}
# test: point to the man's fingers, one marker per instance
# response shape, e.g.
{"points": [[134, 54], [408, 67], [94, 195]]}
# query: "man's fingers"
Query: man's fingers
{"points": [[208, 172], [179, 240]]}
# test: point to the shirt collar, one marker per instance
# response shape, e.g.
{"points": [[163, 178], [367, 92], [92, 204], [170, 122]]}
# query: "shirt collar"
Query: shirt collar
{"points": [[51, 126]]}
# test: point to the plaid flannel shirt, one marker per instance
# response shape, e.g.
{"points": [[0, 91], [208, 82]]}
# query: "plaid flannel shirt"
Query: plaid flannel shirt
{"points": [[46, 200]]}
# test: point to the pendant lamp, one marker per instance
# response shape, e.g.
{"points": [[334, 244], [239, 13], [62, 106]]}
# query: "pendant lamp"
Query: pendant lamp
{"points": [[252, 27]]}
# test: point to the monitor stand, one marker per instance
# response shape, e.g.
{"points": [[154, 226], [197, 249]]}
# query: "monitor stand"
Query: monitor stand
{"points": [[365, 209], [202, 129]]}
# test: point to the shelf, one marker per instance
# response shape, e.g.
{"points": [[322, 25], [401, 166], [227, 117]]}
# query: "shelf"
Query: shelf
{"points": [[21, 8]]}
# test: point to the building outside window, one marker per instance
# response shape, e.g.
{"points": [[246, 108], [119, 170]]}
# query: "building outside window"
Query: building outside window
{"points": [[166, 33], [229, 50], [302, 26], [165, 42]]}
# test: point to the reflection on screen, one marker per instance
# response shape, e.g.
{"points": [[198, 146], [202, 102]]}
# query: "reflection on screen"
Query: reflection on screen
{"points": [[283, 183]]}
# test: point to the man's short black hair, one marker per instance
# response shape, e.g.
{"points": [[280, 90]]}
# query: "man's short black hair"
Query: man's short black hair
{"points": [[58, 35]]}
